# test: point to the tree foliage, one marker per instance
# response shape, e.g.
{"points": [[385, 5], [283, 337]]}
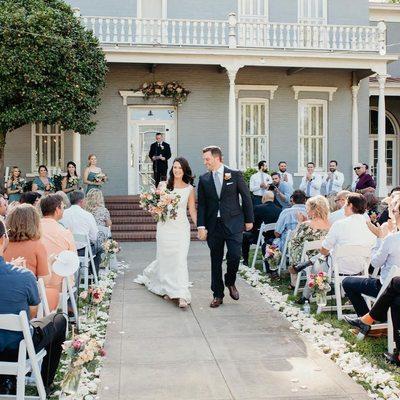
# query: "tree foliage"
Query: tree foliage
{"points": [[51, 69]]}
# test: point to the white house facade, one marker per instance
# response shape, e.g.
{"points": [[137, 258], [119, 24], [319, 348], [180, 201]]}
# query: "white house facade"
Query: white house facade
{"points": [[288, 80]]}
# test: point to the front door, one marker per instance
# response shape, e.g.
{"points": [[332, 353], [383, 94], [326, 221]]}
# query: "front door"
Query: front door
{"points": [[144, 124]]}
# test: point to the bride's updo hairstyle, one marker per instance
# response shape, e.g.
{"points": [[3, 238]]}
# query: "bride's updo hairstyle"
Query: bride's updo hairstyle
{"points": [[187, 173]]}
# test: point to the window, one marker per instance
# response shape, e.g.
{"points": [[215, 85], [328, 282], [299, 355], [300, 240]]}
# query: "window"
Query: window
{"points": [[253, 9], [312, 12], [253, 132], [313, 123], [47, 146], [152, 9]]}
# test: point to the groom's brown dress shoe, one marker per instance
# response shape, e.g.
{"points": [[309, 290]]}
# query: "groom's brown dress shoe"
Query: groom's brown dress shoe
{"points": [[216, 302], [233, 292]]}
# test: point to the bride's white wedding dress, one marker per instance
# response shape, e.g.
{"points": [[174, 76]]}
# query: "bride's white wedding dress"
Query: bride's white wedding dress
{"points": [[168, 273]]}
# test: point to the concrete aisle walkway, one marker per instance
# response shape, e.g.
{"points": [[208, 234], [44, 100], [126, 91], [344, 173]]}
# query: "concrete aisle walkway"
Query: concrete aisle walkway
{"points": [[243, 350]]}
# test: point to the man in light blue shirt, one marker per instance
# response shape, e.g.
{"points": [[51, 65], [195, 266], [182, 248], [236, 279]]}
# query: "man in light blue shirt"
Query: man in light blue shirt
{"points": [[384, 256], [288, 220], [282, 191]]}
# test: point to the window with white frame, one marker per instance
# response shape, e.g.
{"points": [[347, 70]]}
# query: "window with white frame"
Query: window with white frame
{"points": [[313, 12], [313, 128], [253, 129], [253, 9], [47, 146], [152, 9]]}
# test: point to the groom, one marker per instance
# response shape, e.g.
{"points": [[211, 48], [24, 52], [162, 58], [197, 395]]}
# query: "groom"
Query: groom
{"points": [[221, 219]]}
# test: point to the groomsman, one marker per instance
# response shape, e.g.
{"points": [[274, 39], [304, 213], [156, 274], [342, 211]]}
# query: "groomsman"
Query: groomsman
{"points": [[311, 183], [285, 176], [160, 153], [333, 181], [259, 183]]}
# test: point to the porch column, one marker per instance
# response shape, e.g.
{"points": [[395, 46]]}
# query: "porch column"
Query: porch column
{"points": [[381, 165], [232, 71], [76, 151], [354, 125]]}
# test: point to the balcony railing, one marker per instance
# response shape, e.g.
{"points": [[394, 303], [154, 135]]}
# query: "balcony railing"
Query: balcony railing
{"points": [[237, 34]]}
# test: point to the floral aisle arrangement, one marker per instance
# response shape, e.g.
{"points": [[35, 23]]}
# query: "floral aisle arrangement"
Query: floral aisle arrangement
{"points": [[162, 204], [273, 256], [173, 90], [111, 249], [92, 298], [326, 338], [319, 286]]}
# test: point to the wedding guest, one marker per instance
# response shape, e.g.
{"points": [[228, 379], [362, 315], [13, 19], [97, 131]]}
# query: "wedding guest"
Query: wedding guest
{"points": [[286, 177], [93, 176], [267, 213], [364, 181], [160, 153], [3, 207], [385, 213], [372, 206], [71, 181], [340, 200], [333, 180], [259, 183], [311, 183], [79, 221], [65, 199], [55, 239], [31, 198], [288, 219], [314, 228], [385, 256], [352, 230], [95, 205], [15, 185], [24, 235], [282, 191], [390, 298], [42, 183], [19, 292]]}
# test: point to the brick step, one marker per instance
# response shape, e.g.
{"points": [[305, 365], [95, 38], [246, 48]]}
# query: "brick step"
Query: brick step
{"points": [[121, 199], [123, 206], [145, 219], [141, 236], [129, 213]]}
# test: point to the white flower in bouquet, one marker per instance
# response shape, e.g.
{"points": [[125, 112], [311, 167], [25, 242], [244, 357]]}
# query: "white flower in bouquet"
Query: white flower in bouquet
{"points": [[162, 204], [100, 177], [73, 180]]}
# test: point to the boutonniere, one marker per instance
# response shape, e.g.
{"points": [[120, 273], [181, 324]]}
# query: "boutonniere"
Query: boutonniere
{"points": [[162, 147], [227, 176]]}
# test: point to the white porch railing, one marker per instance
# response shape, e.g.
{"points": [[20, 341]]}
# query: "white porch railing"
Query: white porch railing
{"points": [[237, 34]]}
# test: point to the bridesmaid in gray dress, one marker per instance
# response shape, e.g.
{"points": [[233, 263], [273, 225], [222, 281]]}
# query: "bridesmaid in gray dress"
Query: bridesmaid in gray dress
{"points": [[91, 173]]}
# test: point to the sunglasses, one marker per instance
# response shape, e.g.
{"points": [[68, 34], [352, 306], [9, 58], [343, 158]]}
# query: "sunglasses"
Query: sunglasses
{"points": [[357, 168]]}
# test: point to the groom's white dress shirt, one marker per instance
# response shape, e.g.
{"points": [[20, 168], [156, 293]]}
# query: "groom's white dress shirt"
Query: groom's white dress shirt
{"points": [[256, 180]]}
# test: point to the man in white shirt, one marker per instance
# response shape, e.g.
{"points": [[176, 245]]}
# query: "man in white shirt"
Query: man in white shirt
{"points": [[340, 201], [352, 230], [286, 177], [333, 180], [311, 183], [259, 183], [82, 222]]}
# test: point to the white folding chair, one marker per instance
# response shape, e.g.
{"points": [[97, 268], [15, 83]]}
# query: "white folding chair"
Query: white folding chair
{"points": [[28, 359], [43, 309], [340, 253], [302, 275], [283, 263], [263, 228], [87, 260]]}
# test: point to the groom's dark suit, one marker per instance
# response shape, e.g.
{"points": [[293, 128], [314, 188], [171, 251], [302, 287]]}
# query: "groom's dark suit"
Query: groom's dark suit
{"points": [[228, 226]]}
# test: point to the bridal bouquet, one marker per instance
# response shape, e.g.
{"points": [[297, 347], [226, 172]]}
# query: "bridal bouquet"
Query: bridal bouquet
{"points": [[273, 256], [162, 204]]}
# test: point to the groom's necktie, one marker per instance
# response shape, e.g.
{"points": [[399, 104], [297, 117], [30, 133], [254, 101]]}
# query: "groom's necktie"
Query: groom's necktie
{"points": [[217, 183]]}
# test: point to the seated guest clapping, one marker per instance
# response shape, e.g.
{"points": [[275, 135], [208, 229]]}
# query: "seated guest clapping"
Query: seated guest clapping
{"points": [[24, 235], [385, 256], [19, 292], [281, 190], [268, 213], [81, 222], [95, 205], [390, 298], [288, 219], [315, 228], [352, 230], [55, 239]]}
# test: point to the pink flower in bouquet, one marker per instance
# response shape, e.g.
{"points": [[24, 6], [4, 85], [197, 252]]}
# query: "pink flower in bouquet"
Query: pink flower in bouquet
{"points": [[103, 353], [312, 276], [83, 295], [321, 273], [77, 344], [311, 284]]}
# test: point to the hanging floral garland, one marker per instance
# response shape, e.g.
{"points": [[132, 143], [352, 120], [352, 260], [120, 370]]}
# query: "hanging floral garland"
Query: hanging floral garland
{"points": [[173, 90]]}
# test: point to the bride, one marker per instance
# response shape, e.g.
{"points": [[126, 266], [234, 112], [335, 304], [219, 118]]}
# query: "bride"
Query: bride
{"points": [[168, 274]]}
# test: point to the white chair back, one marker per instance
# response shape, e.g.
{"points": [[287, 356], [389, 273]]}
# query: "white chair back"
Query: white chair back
{"points": [[263, 228], [283, 263], [20, 368], [87, 261], [43, 309]]}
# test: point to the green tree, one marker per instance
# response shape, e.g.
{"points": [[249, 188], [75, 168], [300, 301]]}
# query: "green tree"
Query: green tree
{"points": [[51, 69]]}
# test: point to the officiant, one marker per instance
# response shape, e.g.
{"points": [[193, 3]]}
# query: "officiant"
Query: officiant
{"points": [[160, 153]]}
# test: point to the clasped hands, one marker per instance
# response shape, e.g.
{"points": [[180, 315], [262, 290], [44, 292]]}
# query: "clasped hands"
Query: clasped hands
{"points": [[202, 232]]}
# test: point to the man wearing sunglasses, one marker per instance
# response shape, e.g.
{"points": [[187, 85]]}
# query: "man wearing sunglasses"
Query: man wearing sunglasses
{"points": [[364, 182]]}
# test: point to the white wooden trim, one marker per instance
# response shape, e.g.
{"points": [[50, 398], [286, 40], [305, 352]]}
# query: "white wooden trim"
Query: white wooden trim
{"points": [[301, 170], [266, 88], [391, 88], [125, 94], [255, 15], [384, 12], [302, 17], [323, 89], [163, 9]]}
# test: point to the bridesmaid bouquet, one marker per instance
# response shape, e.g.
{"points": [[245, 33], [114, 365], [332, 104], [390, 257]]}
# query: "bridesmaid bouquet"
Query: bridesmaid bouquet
{"points": [[100, 177], [162, 204], [73, 181]]}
